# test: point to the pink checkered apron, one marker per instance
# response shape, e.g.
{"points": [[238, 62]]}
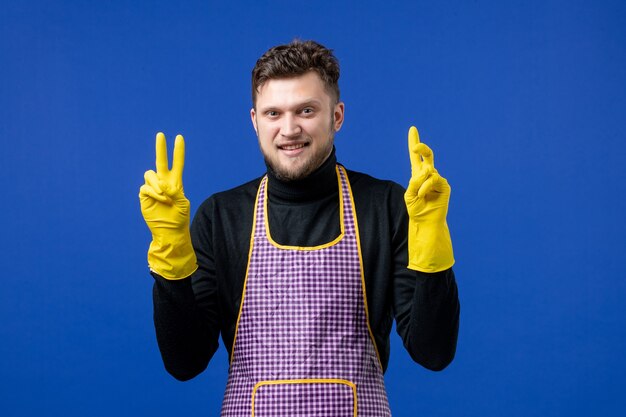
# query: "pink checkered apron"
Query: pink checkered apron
{"points": [[302, 345]]}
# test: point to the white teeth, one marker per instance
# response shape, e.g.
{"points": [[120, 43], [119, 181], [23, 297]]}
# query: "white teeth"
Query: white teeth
{"points": [[292, 147]]}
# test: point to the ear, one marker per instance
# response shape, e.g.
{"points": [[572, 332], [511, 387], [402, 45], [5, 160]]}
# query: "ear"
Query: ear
{"points": [[338, 114], [253, 119]]}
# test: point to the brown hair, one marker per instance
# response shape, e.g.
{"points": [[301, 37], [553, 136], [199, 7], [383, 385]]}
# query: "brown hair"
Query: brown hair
{"points": [[294, 59]]}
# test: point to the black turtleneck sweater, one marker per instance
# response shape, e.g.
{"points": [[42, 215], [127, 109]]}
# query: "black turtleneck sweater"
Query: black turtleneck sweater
{"points": [[190, 314]]}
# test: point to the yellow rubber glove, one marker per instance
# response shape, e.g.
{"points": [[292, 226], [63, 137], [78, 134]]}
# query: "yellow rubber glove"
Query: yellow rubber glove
{"points": [[426, 198], [166, 211]]}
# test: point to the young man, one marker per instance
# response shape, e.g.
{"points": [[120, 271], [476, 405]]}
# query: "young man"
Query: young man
{"points": [[302, 270]]}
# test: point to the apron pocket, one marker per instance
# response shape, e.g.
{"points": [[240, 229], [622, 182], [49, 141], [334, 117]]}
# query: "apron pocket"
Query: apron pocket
{"points": [[304, 398]]}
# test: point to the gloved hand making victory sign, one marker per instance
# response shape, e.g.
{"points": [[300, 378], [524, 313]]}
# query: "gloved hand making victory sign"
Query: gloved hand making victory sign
{"points": [[166, 210], [426, 197]]}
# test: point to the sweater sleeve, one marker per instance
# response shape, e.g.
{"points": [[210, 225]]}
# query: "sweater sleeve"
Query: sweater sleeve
{"points": [[426, 305], [186, 311]]}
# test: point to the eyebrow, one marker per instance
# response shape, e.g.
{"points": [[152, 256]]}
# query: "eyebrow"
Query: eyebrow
{"points": [[305, 103]]}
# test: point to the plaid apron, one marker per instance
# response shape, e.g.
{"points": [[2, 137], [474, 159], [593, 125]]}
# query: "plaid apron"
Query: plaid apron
{"points": [[303, 346]]}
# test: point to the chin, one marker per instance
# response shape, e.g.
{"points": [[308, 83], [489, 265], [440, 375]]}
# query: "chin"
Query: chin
{"points": [[304, 165], [290, 175]]}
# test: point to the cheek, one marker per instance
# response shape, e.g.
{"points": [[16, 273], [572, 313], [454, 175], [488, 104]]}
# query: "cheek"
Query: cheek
{"points": [[318, 127], [266, 129]]}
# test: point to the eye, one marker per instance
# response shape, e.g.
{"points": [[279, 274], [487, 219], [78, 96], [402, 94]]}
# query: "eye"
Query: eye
{"points": [[308, 110], [272, 113]]}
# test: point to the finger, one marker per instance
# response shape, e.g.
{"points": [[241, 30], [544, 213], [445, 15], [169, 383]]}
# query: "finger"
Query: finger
{"points": [[426, 153], [412, 190], [153, 181], [179, 159], [441, 184], [414, 140], [427, 186], [148, 192], [161, 154]]}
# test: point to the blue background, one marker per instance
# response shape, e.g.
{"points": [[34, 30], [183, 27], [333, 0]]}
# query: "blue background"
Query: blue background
{"points": [[523, 103]]}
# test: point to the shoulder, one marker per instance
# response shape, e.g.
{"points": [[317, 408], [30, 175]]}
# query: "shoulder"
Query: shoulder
{"points": [[231, 201], [370, 187], [381, 213], [235, 195]]}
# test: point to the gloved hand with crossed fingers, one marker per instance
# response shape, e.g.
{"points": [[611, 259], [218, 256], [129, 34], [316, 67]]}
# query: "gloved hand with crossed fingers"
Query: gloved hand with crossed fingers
{"points": [[166, 210], [426, 198]]}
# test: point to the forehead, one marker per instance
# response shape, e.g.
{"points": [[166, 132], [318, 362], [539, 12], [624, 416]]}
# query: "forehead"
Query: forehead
{"points": [[293, 90]]}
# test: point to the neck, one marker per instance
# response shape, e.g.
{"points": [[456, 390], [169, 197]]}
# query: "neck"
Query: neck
{"points": [[321, 182]]}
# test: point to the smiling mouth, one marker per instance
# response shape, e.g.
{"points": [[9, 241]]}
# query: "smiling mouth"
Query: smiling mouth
{"points": [[292, 147]]}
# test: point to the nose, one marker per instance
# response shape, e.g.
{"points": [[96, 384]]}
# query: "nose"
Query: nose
{"points": [[290, 126]]}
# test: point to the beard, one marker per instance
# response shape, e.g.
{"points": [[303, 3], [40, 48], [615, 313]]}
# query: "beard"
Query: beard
{"points": [[304, 169], [308, 166]]}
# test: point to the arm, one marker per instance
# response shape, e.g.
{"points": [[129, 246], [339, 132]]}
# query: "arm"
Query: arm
{"points": [[426, 308], [186, 312], [186, 339], [426, 301]]}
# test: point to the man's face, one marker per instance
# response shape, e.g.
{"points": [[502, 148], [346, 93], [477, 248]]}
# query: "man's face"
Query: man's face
{"points": [[295, 120]]}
